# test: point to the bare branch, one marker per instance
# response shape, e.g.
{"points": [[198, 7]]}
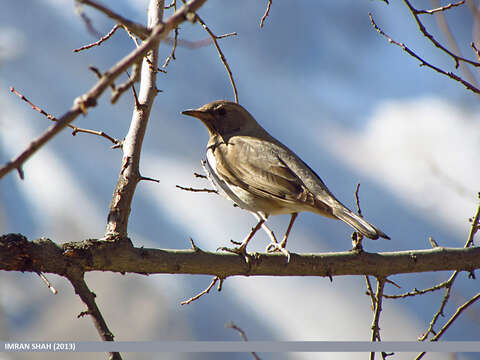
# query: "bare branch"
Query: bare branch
{"points": [[424, 31], [475, 225], [206, 291], [99, 42], [18, 254], [459, 310], [220, 52], [138, 29], [53, 118], [49, 285], [267, 11], [441, 8], [197, 190], [88, 298], [242, 335], [451, 75], [443, 25], [89, 99]]}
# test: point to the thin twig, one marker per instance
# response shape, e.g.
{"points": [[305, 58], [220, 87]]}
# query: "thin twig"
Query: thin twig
{"points": [[416, 292], [197, 175], [206, 291], [53, 118], [219, 50], [443, 25], [477, 52], [451, 75], [99, 42], [197, 190], [87, 21], [359, 210], [378, 310], [267, 11], [138, 29], [81, 289], [429, 36], [120, 89], [243, 335], [370, 292], [49, 285], [475, 225], [175, 40], [460, 309], [441, 8]]}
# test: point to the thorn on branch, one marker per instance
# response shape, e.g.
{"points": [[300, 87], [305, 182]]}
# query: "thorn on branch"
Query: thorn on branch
{"points": [[433, 243], [20, 173], [49, 285], [197, 175], [149, 179], [194, 247]]}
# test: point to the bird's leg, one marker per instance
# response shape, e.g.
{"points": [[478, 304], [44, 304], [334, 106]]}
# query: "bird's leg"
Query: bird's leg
{"points": [[275, 246], [242, 249], [283, 244]]}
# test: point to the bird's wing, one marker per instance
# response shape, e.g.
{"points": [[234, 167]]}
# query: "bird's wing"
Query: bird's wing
{"points": [[246, 162]]}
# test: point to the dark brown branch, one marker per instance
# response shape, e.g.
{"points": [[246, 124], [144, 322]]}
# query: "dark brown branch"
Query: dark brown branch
{"points": [[89, 99], [430, 37], [378, 311], [196, 190], [220, 52], [138, 29], [88, 298], [99, 42], [451, 75], [74, 128], [18, 254], [460, 309]]}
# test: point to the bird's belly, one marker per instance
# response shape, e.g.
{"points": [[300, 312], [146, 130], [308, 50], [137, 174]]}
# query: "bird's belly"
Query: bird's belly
{"points": [[243, 198]]}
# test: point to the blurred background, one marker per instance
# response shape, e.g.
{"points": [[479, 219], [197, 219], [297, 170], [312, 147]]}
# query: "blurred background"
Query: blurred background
{"points": [[320, 79]]}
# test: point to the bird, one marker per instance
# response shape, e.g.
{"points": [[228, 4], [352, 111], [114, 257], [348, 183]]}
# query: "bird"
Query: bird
{"points": [[261, 175]]}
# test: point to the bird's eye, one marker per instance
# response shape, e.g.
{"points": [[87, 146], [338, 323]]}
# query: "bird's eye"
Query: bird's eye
{"points": [[221, 111]]}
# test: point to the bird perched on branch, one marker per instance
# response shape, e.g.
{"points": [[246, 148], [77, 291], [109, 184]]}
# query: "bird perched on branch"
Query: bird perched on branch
{"points": [[260, 174]]}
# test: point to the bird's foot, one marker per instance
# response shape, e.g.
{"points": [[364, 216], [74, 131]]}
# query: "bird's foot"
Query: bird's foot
{"points": [[276, 247], [357, 242], [240, 250]]}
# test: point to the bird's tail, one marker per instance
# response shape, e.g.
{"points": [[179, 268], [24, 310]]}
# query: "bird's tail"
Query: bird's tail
{"points": [[359, 224]]}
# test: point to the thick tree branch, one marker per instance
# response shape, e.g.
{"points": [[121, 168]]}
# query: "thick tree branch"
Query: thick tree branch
{"points": [[129, 177], [19, 254]]}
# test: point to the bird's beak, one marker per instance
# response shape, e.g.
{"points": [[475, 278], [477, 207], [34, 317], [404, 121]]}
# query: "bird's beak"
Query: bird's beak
{"points": [[195, 113]]}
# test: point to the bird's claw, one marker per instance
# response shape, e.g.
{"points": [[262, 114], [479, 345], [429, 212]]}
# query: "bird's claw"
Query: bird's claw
{"points": [[276, 247], [240, 250]]}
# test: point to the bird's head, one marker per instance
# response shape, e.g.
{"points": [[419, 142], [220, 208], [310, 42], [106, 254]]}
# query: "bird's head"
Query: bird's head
{"points": [[225, 118]]}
